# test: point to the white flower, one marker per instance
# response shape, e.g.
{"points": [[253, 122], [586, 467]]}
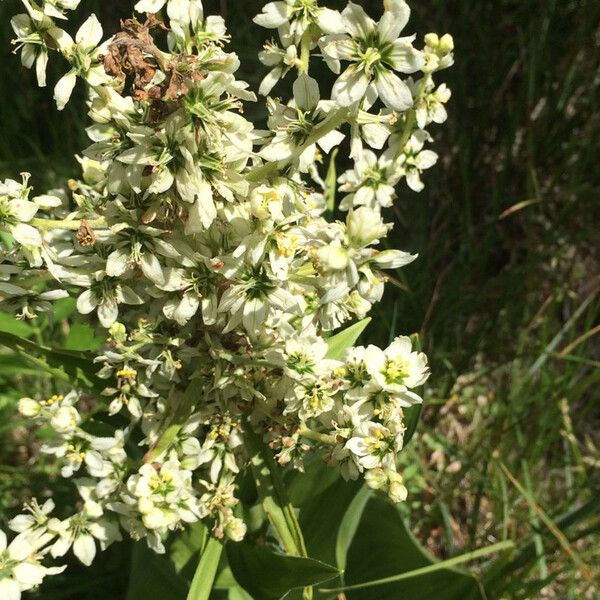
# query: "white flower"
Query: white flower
{"points": [[84, 54], [29, 407], [105, 296], [371, 182], [375, 52], [398, 368], [374, 445], [414, 160], [294, 123], [20, 567], [365, 226], [164, 496], [16, 211]]}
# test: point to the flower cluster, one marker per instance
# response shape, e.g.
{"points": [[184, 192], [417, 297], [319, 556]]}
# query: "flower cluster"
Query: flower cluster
{"points": [[207, 250]]}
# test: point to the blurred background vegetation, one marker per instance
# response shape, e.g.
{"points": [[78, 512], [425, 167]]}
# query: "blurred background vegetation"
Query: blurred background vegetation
{"points": [[505, 293]]}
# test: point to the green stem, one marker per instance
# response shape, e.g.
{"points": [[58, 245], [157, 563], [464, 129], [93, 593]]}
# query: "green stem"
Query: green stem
{"points": [[274, 499], [72, 224], [411, 118], [317, 437], [266, 170], [305, 53]]}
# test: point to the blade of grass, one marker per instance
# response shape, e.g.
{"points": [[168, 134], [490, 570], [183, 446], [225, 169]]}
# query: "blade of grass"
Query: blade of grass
{"points": [[556, 532], [444, 564]]}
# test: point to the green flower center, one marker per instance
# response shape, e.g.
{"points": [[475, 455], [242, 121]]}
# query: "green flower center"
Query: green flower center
{"points": [[395, 371]]}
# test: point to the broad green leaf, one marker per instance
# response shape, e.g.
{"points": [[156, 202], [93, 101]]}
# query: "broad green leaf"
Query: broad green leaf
{"points": [[153, 576], [64, 308], [383, 547], [266, 575], [321, 517], [237, 593], [302, 487], [9, 324], [204, 577], [76, 368], [349, 525], [340, 342], [82, 337], [329, 520]]}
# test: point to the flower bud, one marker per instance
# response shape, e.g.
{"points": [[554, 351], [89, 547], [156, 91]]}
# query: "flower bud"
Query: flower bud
{"points": [[364, 226], [397, 492], [432, 40], [332, 258], [29, 407], [118, 332], [235, 529], [446, 43], [376, 478]]}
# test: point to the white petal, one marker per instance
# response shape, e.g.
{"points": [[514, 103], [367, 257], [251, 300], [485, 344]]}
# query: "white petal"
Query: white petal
{"points": [[26, 235], [149, 6], [116, 263], [29, 574], [405, 58], [152, 268], [254, 315], [179, 10], [23, 209], [63, 40], [393, 91], [350, 86], [274, 14], [47, 201], [90, 33], [330, 140], [414, 182], [426, 159], [330, 21], [84, 549], [9, 589], [108, 312], [86, 302], [187, 308], [40, 68], [28, 57], [128, 296], [64, 89], [269, 81], [393, 21], [356, 21]]}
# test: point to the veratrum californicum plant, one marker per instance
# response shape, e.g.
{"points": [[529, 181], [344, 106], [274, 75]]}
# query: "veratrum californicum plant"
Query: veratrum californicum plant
{"points": [[203, 245]]}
